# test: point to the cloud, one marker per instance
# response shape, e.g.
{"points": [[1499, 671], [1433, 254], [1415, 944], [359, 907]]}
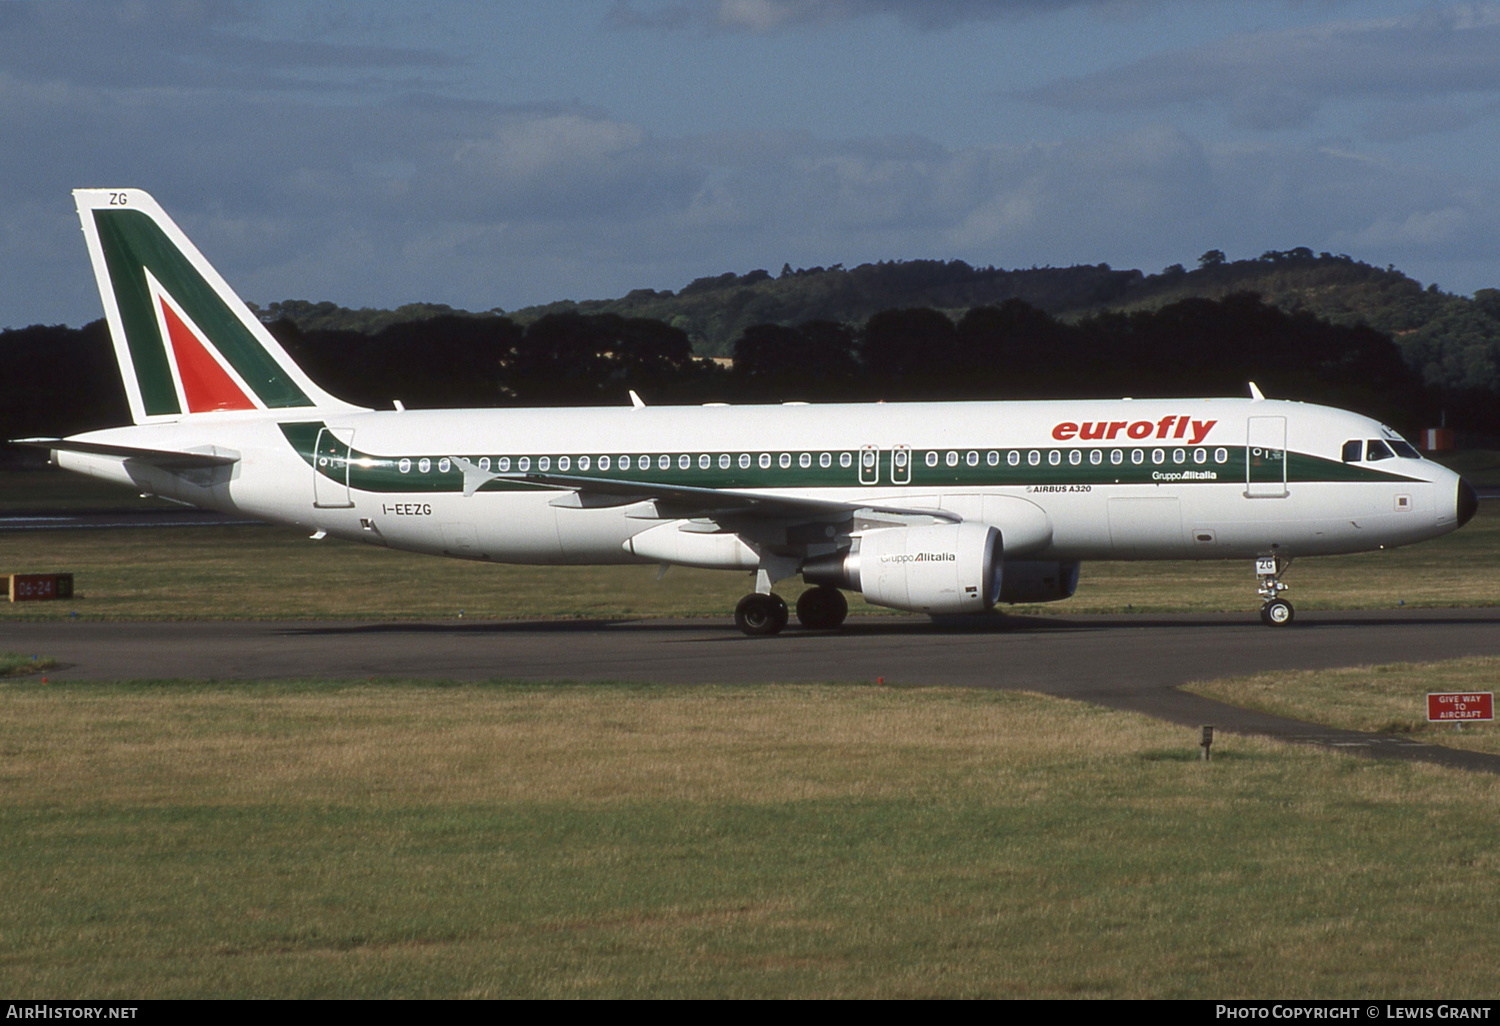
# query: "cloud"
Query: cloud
{"points": [[481, 205], [186, 44], [401, 193], [1280, 79], [764, 16]]}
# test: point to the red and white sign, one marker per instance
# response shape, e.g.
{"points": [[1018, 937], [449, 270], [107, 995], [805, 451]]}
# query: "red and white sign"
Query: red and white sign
{"points": [[1458, 705], [40, 587]]}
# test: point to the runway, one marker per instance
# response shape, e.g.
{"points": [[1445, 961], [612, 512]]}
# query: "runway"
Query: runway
{"points": [[1123, 662]]}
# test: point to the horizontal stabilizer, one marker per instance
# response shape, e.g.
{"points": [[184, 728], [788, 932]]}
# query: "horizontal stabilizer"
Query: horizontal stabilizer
{"points": [[166, 459]]}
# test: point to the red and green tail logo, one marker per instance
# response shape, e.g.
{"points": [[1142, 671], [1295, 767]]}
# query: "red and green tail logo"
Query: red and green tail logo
{"points": [[185, 342]]}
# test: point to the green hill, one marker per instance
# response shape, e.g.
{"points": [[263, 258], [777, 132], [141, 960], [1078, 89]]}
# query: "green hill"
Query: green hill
{"points": [[1454, 341]]}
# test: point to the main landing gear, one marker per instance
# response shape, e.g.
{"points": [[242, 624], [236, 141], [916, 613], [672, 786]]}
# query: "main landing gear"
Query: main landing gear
{"points": [[822, 608], [819, 609], [760, 615], [1276, 611]]}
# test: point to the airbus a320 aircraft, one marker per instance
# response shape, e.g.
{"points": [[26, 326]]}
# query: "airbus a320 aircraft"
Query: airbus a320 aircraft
{"points": [[935, 508]]}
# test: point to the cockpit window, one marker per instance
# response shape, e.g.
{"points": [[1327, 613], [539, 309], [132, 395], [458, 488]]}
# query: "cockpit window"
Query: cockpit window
{"points": [[1354, 449], [1375, 449], [1403, 448]]}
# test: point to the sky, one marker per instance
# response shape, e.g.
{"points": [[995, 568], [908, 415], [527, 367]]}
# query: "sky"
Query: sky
{"points": [[509, 153]]}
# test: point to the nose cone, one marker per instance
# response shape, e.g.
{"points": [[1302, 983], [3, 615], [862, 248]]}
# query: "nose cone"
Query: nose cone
{"points": [[1467, 502]]}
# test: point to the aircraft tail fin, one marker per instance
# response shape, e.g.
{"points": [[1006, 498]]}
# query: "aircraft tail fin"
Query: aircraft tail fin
{"points": [[185, 343]]}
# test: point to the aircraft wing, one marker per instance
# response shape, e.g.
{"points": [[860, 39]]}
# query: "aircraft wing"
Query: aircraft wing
{"points": [[687, 502], [166, 459]]}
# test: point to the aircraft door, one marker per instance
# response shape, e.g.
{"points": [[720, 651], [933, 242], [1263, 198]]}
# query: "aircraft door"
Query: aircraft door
{"points": [[331, 471], [898, 469], [901, 465], [1265, 458]]}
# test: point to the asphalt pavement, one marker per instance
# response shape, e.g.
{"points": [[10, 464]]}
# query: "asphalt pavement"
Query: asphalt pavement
{"points": [[1134, 663]]}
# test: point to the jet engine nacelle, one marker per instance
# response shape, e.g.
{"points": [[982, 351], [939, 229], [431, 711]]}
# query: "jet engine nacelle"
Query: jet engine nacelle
{"points": [[942, 568], [1039, 580]]}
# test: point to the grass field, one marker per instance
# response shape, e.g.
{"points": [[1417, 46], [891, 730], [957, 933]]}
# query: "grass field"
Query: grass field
{"points": [[309, 839], [1389, 699], [1481, 467], [271, 572], [13, 664], [422, 839], [32, 490]]}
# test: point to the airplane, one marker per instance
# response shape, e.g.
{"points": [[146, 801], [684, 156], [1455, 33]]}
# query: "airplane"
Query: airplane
{"points": [[938, 508]]}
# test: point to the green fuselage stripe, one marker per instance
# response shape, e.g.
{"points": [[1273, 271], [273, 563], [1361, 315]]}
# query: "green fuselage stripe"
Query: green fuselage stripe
{"points": [[1052, 467]]}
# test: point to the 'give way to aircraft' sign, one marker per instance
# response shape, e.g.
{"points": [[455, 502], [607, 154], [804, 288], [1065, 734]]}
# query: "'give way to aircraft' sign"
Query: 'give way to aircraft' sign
{"points": [[1456, 705]]}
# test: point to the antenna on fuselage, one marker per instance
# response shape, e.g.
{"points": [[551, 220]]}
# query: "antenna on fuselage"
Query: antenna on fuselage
{"points": [[636, 401], [1255, 393]]}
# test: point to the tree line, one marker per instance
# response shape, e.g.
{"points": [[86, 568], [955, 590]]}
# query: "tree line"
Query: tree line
{"points": [[62, 380]]}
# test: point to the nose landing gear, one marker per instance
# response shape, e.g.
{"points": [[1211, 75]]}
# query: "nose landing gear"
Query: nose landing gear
{"points": [[1276, 611]]}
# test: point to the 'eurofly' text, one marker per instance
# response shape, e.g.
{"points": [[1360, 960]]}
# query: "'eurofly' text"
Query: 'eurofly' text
{"points": [[1193, 431]]}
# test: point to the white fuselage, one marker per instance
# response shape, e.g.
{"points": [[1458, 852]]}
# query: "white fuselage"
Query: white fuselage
{"points": [[1071, 480]]}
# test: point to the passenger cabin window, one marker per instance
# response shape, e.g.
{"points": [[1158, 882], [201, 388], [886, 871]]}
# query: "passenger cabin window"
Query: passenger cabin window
{"points": [[1375, 449]]}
